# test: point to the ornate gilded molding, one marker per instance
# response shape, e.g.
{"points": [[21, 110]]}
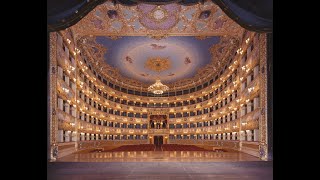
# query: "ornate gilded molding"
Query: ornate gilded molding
{"points": [[126, 21], [53, 125], [263, 92], [115, 37], [53, 87], [201, 37], [158, 36]]}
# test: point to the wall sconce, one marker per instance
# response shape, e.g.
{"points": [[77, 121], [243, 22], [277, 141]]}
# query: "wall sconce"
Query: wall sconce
{"points": [[247, 40]]}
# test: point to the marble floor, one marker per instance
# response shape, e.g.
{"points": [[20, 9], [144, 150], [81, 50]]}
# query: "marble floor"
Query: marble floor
{"points": [[159, 156]]}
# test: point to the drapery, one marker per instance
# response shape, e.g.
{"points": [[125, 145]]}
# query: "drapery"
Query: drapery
{"points": [[254, 15]]}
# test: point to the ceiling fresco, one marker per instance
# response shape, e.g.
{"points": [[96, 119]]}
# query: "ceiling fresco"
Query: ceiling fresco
{"points": [[134, 45], [152, 20], [140, 60], [147, 59]]}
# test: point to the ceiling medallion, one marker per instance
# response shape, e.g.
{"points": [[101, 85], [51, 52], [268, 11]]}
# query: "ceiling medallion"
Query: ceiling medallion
{"points": [[155, 17], [158, 87], [158, 14], [157, 64]]}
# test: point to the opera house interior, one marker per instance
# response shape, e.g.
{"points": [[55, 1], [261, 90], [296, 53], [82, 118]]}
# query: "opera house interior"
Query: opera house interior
{"points": [[160, 89]]}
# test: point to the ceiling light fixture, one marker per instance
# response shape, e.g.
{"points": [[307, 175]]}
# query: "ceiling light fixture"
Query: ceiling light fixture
{"points": [[158, 87]]}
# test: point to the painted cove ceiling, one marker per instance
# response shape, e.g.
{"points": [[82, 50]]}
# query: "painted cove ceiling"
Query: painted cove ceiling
{"points": [[147, 59], [134, 45], [140, 60]]}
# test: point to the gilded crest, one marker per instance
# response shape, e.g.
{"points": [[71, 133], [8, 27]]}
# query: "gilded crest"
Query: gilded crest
{"points": [[158, 64]]}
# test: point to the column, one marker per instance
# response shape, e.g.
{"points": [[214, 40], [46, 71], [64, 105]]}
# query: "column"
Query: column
{"points": [[234, 115], [242, 135], [219, 136], [73, 63], [92, 137], [73, 86], [243, 111], [234, 136], [242, 60], [67, 80], [60, 136], [73, 111], [67, 108], [73, 136], [228, 99], [242, 86], [60, 104], [248, 51], [256, 71], [60, 72], [82, 138], [249, 107], [223, 119], [228, 136], [248, 80], [228, 117], [88, 137], [224, 136], [233, 95], [67, 136], [67, 53], [256, 134], [255, 102], [249, 135]]}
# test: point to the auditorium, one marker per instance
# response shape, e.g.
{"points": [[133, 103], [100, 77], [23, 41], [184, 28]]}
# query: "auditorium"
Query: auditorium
{"points": [[159, 89]]}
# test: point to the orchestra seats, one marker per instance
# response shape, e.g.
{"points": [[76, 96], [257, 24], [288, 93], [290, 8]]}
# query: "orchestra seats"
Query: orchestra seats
{"points": [[140, 147], [178, 147]]}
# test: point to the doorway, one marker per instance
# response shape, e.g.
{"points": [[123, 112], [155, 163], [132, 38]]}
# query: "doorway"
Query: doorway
{"points": [[158, 141]]}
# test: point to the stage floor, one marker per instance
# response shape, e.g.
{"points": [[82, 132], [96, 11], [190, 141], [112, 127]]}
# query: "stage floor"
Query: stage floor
{"points": [[248, 170], [159, 156]]}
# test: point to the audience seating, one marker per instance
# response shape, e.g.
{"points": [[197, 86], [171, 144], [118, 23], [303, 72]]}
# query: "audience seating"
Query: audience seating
{"points": [[178, 147], [140, 147]]}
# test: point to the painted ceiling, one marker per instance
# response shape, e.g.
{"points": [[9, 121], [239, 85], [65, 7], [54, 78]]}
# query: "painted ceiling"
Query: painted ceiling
{"points": [[147, 59], [204, 19], [134, 45], [138, 61]]}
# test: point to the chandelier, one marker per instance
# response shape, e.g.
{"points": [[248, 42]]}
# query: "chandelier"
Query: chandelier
{"points": [[158, 87]]}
